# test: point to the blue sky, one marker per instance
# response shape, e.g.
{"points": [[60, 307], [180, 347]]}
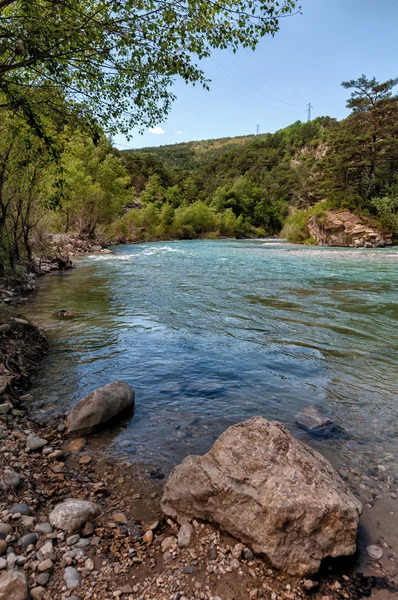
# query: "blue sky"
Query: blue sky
{"points": [[332, 41]]}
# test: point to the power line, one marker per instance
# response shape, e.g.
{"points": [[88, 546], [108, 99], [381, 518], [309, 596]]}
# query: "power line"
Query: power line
{"points": [[238, 78]]}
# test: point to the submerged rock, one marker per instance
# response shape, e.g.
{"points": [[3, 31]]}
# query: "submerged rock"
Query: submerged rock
{"points": [[270, 491], [315, 420], [100, 407], [72, 514]]}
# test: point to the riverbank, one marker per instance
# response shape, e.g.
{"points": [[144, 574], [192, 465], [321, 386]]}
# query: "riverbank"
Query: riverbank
{"points": [[120, 485]]}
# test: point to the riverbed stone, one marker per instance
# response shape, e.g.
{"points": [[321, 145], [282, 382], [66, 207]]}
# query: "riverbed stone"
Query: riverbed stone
{"points": [[22, 509], [9, 479], [71, 577], [100, 407], [72, 514], [5, 529], [44, 528], [374, 551], [34, 442], [29, 539], [3, 547], [268, 490], [185, 535], [13, 586]]}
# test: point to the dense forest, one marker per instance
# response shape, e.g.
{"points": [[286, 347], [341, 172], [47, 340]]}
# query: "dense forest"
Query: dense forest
{"points": [[237, 187]]}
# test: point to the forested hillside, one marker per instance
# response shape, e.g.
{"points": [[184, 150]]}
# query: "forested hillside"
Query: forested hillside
{"points": [[262, 184]]}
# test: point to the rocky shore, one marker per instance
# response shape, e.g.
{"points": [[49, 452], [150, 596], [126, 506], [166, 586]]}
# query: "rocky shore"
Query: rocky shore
{"points": [[78, 524]]}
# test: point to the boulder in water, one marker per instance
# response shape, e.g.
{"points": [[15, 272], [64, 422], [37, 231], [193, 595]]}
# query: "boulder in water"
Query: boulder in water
{"points": [[100, 407], [319, 424], [270, 491]]}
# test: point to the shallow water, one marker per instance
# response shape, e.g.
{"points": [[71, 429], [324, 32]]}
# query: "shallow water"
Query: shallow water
{"points": [[210, 333]]}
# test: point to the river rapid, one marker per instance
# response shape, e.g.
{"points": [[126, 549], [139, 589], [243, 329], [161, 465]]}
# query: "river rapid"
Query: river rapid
{"points": [[210, 333]]}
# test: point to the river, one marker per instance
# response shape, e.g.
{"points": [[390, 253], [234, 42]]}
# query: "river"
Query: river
{"points": [[210, 333]]}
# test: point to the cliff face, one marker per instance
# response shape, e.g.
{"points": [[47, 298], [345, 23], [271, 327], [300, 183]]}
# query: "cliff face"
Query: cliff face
{"points": [[342, 228]]}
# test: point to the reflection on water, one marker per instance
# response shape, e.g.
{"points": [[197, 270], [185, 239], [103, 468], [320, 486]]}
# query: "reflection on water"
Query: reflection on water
{"points": [[212, 332]]}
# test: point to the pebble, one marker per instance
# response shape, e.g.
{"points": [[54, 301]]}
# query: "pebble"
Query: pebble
{"points": [[45, 565], [61, 427], [33, 442], [148, 537], [169, 543], [185, 535], [136, 496], [85, 460], [22, 509], [11, 560], [89, 565], [235, 564], [247, 554], [73, 539], [29, 539], [43, 578], [37, 593], [82, 543], [237, 550], [56, 455], [309, 585], [76, 445], [3, 564], [189, 569], [47, 550], [71, 577], [5, 529], [44, 528], [374, 551], [119, 518], [3, 546]]}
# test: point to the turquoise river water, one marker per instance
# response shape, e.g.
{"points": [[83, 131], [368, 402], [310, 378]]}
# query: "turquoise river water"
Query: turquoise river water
{"points": [[210, 333]]}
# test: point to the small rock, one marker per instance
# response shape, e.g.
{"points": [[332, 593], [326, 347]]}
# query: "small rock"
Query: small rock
{"points": [[76, 445], [27, 521], [72, 514], [37, 593], [237, 550], [310, 585], [169, 543], [33, 442], [137, 496], [82, 543], [5, 529], [9, 479], [61, 427], [374, 551], [47, 550], [153, 525], [119, 518], [247, 554], [189, 569], [44, 528], [88, 529], [3, 547], [11, 560], [89, 565], [127, 589], [3, 564], [73, 539], [185, 535], [13, 586], [148, 537], [56, 455], [85, 460], [28, 540], [235, 564], [22, 509], [43, 578], [45, 565], [71, 577]]}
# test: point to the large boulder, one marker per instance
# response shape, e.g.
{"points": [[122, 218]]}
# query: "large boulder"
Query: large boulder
{"points": [[13, 586], [270, 491], [100, 407], [72, 514]]}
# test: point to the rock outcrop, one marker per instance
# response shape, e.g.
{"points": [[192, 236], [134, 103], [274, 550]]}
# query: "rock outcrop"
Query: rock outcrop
{"points": [[342, 228], [100, 407], [270, 491]]}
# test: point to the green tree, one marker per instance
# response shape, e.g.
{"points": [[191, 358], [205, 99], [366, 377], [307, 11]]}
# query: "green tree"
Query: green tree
{"points": [[114, 61]]}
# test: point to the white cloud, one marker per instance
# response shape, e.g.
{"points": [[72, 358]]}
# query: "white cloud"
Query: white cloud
{"points": [[181, 133], [156, 130]]}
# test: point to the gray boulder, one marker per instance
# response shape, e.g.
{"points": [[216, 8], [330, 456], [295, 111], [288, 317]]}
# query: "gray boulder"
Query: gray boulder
{"points": [[270, 491], [100, 407], [72, 514], [13, 586]]}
